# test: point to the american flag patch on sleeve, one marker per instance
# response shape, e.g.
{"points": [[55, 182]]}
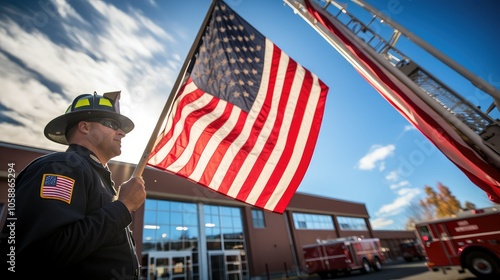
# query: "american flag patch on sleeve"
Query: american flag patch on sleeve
{"points": [[57, 187]]}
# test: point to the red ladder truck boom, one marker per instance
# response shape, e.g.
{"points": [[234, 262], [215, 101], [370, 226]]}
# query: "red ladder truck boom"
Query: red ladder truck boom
{"points": [[468, 135]]}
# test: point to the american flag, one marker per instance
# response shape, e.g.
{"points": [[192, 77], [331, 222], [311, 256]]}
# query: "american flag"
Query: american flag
{"points": [[57, 187], [246, 120]]}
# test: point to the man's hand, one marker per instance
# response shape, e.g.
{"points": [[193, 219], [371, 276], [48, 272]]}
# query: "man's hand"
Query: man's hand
{"points": [[132, 193]]}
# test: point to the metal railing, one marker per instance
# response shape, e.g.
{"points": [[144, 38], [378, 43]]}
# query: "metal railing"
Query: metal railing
{"points": [[450, 100]]}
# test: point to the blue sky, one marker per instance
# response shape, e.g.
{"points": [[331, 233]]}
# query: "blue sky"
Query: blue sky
{"points": [[367, 152]]}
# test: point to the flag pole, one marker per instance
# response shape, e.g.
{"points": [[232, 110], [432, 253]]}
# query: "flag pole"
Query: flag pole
{"points": [[149, 147]]}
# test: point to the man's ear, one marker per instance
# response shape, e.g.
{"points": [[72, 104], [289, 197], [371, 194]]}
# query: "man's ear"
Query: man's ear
{"points": [[83, 127]]}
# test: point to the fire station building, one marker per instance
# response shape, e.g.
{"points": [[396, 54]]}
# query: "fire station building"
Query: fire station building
{"points": [[185, 231]]}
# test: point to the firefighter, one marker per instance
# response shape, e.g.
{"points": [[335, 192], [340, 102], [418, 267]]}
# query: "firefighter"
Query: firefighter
{"points": [[72, 222]]}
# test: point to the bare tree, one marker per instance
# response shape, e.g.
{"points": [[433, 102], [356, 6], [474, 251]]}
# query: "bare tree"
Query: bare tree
{"points": [[419, 211]]}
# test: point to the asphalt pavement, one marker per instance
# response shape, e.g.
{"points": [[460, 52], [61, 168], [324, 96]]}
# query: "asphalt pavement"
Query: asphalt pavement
{"points": [[416, 270]]}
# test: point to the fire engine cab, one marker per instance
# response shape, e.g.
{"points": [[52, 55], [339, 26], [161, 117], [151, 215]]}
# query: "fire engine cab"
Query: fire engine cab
{"points": [[471, 240], [329, 257]]}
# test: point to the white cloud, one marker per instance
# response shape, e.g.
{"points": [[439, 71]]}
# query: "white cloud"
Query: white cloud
{"points": [[405, 196], [376, 155], [381, 166], [399, 185], [408, 128], [29, 104], [64, 10], [392, 176], [128, 52], [380, 223]]}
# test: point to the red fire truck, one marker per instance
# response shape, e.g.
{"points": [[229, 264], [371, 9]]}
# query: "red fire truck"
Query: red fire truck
{"points": [[471, 240], [329, 257], [411, 250]]}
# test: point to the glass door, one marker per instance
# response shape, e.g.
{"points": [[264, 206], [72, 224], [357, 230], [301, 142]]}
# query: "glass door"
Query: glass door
{"points": [[169, 265], [225, 265]]}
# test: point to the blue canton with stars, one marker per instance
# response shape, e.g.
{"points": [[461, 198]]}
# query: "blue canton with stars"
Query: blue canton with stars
{"points": [[50, 181], [230, 59]]}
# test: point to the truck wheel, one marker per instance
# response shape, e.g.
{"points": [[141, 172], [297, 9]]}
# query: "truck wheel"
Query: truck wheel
{"points": [[326, 275], [377, 265], [323, 275], [482, 265], [366, 266]]}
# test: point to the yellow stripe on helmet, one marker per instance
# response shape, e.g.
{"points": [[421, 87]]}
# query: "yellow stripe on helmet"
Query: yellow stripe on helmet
{"points": [[82, 102], [105, 102]]}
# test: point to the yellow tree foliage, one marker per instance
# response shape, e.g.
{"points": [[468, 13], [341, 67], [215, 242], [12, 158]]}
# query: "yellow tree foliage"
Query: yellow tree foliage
{"points": [[441, 203], [447, 204], [436, 205]]}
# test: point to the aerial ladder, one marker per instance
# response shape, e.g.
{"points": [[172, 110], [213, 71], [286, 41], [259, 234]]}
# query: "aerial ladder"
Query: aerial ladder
{"points": [[467, 134]]}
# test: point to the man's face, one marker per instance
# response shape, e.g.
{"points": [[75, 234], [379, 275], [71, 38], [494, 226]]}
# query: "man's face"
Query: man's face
{"points": [[106, 136]]}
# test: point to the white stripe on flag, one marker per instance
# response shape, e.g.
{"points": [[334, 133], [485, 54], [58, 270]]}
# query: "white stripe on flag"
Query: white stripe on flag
{"points": [[197, 129], [268, 127], [298, 150]]}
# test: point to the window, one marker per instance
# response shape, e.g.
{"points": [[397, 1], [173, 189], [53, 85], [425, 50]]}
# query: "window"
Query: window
{"points": [[425, 233], [312, 221], [169, 225], [172, 226], [223, 227], [350, 223], [258, 218]]}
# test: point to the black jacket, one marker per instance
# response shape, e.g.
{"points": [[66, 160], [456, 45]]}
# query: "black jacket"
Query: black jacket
{"points": [[69, 225]]}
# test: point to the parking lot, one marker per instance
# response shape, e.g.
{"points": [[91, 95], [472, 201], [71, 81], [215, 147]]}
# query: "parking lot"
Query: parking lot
{"points": [[398, 270]]}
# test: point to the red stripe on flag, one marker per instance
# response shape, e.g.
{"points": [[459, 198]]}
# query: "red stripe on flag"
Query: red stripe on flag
{"points": [[307, 152], [205, 137], [292, 137], [222, 149], [185, 99], [257, 127], [273, 136], [184, 138]]}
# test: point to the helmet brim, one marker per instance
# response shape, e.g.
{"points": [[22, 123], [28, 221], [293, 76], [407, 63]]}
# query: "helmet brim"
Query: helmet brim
{"points": [[55, 130]]}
